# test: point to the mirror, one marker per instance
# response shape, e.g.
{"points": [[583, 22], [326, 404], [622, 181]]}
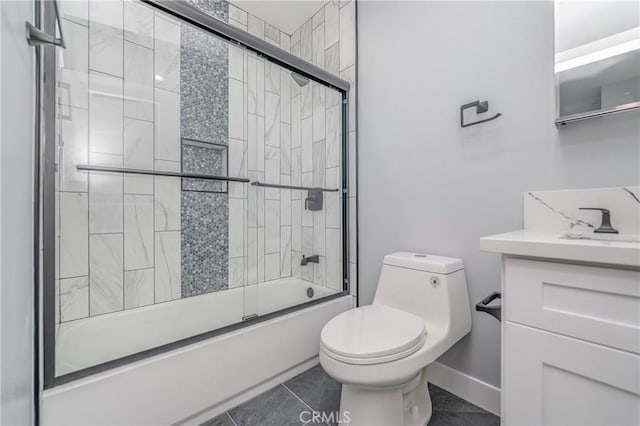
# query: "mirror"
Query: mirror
{"points": [[597, 57]]}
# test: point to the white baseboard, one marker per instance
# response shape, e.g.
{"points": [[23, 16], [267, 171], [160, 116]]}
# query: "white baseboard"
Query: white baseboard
{"points": [[238, 399], [475, 391]]}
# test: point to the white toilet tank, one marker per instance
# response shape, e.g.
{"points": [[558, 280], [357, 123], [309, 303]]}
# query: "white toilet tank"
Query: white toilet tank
{"points": [[431, 287]]}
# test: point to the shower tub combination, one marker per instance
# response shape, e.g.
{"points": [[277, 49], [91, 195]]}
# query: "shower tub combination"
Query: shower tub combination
{"points": [[92, 341], [190, 262]]}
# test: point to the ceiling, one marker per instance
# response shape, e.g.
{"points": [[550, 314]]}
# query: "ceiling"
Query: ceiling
{"points": [[286, 15]]}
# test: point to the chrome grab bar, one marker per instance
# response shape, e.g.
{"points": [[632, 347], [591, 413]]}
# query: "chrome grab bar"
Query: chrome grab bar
{"points": [[301, 188], [89, 168], [37, 37]]}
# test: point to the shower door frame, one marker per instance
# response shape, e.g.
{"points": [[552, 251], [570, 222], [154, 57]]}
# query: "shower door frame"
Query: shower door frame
{"points": [[185, 13]]}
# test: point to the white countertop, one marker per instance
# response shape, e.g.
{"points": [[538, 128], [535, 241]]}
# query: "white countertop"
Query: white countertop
{"points": [[549, 245]]}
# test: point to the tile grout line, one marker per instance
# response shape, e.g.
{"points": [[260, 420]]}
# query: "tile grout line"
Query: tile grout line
{"points": [[300, 399], [231, 418]]}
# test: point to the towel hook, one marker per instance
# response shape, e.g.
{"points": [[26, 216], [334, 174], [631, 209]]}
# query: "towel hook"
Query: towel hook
{"points": [[480, 108]]}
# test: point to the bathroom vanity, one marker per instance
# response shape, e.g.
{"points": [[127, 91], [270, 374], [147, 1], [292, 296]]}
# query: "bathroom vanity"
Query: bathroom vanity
{"points": [[570, 315]]}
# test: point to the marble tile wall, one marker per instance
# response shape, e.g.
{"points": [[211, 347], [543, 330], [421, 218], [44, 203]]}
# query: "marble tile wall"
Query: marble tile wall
{"points": [[328, 40], [559, 211], [282, 133], [119, 105], [122, 238], [259, 134]]}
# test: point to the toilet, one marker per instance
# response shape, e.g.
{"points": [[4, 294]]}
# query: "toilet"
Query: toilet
{"points": [[380, 352]]}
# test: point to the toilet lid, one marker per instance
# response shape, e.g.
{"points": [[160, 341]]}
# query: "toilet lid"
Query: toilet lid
{"points": [[372, 332]]}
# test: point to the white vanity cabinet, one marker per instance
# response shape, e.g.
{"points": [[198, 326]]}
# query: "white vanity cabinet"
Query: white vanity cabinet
{"points": [[570, 343]]}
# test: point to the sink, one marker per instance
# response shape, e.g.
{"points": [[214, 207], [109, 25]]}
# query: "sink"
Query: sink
{"points": [[623, 238]]}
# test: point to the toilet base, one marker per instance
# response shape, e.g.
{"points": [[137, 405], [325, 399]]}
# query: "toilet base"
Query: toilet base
{"points": [[408, 404]]}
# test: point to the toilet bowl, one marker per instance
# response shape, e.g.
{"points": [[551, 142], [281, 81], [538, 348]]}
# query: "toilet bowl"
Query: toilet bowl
{"points": [[380, 352]]}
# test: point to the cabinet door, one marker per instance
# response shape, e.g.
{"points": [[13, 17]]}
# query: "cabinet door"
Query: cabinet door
{"points": [[600, 305], [556, 380]]}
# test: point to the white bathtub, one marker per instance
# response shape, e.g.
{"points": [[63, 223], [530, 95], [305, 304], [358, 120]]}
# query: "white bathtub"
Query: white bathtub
{"points": [[91, 341]]}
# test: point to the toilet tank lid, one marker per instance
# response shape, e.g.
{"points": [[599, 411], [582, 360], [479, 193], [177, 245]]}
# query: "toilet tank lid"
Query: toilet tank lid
{"points": [[424, 262]]}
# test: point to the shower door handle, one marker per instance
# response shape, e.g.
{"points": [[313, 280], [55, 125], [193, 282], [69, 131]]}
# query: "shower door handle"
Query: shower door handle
{"points": [[36, 37]]}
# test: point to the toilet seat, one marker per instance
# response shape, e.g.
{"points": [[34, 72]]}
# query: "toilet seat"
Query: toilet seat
{"points": [[372, 335]]}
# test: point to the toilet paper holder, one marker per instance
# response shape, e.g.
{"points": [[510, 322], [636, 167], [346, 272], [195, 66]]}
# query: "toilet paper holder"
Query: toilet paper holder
{"points": [[495, 310]]}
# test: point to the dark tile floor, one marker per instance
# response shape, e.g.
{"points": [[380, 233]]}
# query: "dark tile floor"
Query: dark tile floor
{"points": [[314, 390]]}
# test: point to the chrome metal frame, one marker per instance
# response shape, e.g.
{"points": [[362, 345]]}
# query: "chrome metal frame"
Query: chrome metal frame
{"points": [[561, 121], [85, 167], [183, 10], [301, 188], [187, 13]]}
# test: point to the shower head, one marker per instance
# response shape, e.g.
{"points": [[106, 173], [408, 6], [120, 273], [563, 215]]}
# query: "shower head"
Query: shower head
{"points": [[302, 81]]}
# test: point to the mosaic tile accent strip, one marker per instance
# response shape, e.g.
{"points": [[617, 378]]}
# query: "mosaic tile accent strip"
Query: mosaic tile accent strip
{"points": [[204, 87], [205, 242]]}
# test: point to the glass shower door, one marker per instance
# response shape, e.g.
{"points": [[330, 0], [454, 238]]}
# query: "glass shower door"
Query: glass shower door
{"points": [[198, 185]]}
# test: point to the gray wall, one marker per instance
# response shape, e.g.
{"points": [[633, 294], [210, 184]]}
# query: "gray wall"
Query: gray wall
{"points": [[425, 184], [16, 218]]}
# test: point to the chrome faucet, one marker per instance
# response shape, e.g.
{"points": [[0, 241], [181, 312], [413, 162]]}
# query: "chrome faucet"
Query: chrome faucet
{"points": [[605, 225], [313, 259]]}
